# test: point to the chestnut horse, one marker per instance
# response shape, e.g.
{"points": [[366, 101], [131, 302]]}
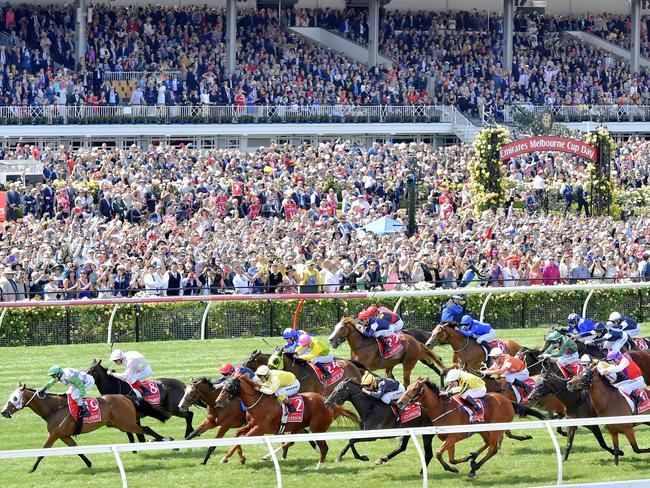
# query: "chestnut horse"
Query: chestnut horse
{"points": [[366, 351], [468, 354], [608, 402], [445, 411], [265, 413], [117, 411], [304, 372]]}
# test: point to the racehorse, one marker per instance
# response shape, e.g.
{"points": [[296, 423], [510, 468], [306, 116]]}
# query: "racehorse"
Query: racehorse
{"points": [[532, 360], [366, 351], [265, 413], [303, 371], [171, 392], [467, 352], [117, 411], [446, 411], [375, 414], [553, 382], [608, 402]]}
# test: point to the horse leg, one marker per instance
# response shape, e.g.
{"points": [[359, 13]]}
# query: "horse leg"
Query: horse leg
{"points": [[614, 435], [447, 445], [149, 431], [389, 373], [595, 430], [494, 447], [322, 445], [188, 423], [239, 432], [69, 441], [629, 433], [427, 439], [571, 432], [407, 367], [474, 454], [220, 432], [51, 439], [401, 447], [516, 437], [204, 426]]}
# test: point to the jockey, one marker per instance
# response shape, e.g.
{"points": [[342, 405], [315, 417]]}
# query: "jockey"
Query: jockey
{"points": [[78, 383], [453, 310], [136, 369], [227, 370], [626, 324], [282, 384], [385, 389], [579, 326], [627, 369], [319, 352], [291, 336], [512, 369], [612, 338], [567, 349], [482, 332], [467, 386], [380, 322]]}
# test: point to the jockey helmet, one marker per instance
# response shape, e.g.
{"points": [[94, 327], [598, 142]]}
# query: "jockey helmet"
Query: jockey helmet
{"points": [[614, 317], [117, 355], [304, 340], [226, 369], [495, 352], [554, 336], [275, 361], [466, 320], [55, 370], [600, 326], [288, 333], [452, 375], [263, 371], [574, 318], [369, 379], [368, 312], [458, 298], [612, 355]]}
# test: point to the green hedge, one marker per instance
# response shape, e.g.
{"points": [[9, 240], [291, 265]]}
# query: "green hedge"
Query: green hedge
{"points": [[173, 321]]}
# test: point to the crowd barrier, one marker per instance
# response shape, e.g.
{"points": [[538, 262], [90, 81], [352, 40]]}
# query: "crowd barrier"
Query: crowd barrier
{"points": [[268, 441], [245, 315]]}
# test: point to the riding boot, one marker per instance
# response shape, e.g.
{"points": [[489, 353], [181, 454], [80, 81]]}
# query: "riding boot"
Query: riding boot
{"points": [[145, 391], [289, 405], [326, 374], [383, 343], [474, 405], [83, 411], [527, 389], [636, 399]]}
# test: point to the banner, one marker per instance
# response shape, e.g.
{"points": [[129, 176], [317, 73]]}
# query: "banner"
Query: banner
{"points": [[3, 206], [559, 144]]}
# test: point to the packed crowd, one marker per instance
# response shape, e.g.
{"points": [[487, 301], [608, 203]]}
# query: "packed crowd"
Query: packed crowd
{"points": [[439, 58], [174, 220]]}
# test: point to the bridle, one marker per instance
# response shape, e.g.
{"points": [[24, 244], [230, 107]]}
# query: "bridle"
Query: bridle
{"points": [[462, 348]]}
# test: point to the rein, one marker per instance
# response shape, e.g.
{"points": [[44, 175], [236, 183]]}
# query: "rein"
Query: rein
{"points": [[254, 404], [462, 348]]}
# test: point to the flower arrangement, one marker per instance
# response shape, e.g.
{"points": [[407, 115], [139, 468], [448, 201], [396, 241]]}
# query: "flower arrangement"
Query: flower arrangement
{"points": [[599, 181], [486, 169]]}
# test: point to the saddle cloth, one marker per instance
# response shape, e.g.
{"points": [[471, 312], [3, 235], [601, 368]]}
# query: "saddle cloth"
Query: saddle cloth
{"points": [[152, 386], [410, 413], [395, 345], [473, 417], [92, 404], [572, 370], [640, 343], [335, 370], [298, 403], [520, 394], [641, 407]]}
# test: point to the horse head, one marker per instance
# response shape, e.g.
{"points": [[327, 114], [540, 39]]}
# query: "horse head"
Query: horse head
{"points": [[413, 393], [14, 402], [189, 397], [342, 393], [230, 389], [439, 335], [582, 381], [96, 370], [252, 360], [342, 331]]}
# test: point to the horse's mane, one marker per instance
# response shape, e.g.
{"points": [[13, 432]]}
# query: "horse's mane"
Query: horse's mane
{"points": [[432, 386], [203, 379]]}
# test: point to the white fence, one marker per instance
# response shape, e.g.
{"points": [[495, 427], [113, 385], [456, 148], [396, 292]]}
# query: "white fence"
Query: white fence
{"points": [[583, 113], [116, 449]]}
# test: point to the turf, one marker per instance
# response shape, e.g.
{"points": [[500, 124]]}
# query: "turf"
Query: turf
{"points": [[518, 464]]}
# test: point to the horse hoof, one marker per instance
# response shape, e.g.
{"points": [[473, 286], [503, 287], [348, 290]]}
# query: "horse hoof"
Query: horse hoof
{"points": [[266, 458], [338, 459], [620, 453], [471, 474], [242, 460], [452, 469], [364, 458], [224, 461], [379, 461]]}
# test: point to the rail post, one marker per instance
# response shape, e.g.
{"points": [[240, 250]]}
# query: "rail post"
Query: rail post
{"points": [[67, 325], [278, 474], [138, 310], [483, 307], [586, 304], [204, 319], [118, 460], [423, 461], [109, 335], [558, 451]]}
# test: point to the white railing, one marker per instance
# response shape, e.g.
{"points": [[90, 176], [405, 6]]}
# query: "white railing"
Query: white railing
{"points": [[268, 441], [370, 296], [63, 114], [582, 113], [137, 75]]}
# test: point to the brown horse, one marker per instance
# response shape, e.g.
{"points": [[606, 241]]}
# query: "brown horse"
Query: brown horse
{"points": [[117, 411], [445, 411], [266, 413], [304, 372], [549, 403], [608, 402], [468, 354], [366, 351]]}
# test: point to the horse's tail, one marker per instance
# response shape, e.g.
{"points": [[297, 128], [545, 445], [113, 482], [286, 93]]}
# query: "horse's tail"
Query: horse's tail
{"points": [[346, 413], [145, 409], [524, 411], [360, 366]]}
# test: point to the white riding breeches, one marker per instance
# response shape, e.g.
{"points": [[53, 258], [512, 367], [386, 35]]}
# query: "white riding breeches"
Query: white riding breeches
{"points": [[633, 332], [140, 375], [615, 345], [568, 359], [475, 393], [487, 337], [519, 375], [393, 395], [288, 391], [74, 393], [397, 326], [383, 333], [323, 359], [628, 386]]}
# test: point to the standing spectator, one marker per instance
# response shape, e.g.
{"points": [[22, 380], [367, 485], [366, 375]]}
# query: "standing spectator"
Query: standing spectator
{"points": [[310, 279], [173, 280], [153, 282], [551, 270], [7, 285], [13, 203]]}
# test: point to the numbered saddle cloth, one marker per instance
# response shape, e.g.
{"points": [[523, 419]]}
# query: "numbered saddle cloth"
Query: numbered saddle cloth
{"points": [[473, 416], [335, 370], [411, 412], [153, 387], [394, 345], [92, 404]]}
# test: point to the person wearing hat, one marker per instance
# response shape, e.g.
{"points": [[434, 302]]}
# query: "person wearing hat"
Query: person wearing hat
{"points": [[282, 384], [78, 383], [310, 279], [513, 369], [8, 287], [453, 310], [385, 389], [567, 349], [467, 387]]}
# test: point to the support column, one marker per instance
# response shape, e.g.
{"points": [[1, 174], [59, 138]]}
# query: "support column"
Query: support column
{"points": [[81, 11], [635, 47], [231, 36], [373, 32], [508, 29]]}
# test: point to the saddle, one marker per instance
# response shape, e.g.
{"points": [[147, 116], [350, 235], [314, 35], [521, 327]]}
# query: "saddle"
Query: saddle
{"points": [[473, 415], [639, 402], [391, 345]]}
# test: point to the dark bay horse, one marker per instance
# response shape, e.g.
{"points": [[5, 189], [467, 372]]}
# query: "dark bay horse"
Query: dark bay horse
{"points": [[265, 413], [303, 371], [375, 414], [608, 402], [365, 350], [467, 352], [445, 411], [117, 411], [171, 392], [578, 406]]}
